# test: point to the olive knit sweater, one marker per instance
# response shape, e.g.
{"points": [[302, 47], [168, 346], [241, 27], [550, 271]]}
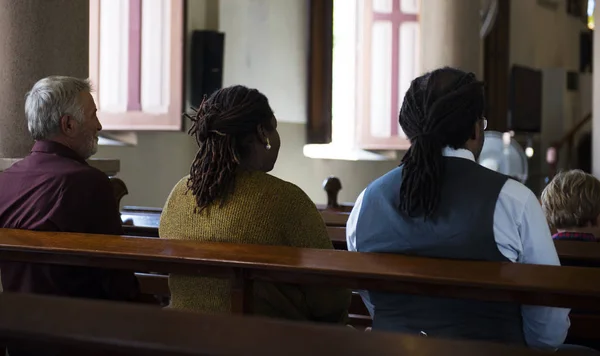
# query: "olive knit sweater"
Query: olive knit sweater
{"points": [[262, 210]]}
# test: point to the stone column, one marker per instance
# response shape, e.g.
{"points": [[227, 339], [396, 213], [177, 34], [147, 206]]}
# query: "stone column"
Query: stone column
{"points": [[450, 35], [38, 38]]}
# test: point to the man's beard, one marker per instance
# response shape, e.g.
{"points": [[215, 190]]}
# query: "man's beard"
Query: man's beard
{"points": [[90, 148]]}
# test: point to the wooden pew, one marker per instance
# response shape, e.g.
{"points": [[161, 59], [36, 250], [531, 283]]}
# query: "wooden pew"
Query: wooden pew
{"points": [[332, 186], [243, 264], [578, 253], [85, 327], [334, 213], [571, 253], [157, 286], [583, 328], [526, 284]]}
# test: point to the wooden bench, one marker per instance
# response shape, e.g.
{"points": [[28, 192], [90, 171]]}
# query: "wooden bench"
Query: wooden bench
{"points": [[84, 327], [526, 284], [583, 328], [571, 253], [332, 186], [334, 214], [144, 216]]}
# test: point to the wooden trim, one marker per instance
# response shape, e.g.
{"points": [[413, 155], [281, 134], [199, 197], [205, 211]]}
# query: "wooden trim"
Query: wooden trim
{"points": [[364, 138], [137, 120], [87, 327], [480, 280], [384, 143], [135, 53], [363, 91], [496, 65], [570, 253], [319, 122], [142, 121]]}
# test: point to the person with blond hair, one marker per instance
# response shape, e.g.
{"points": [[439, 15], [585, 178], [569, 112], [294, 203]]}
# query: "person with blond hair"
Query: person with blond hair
{"points": [[571, 202]]}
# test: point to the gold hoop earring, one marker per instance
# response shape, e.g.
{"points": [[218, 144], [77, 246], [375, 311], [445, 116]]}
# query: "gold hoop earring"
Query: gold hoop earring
{"points": [[268, 146]]}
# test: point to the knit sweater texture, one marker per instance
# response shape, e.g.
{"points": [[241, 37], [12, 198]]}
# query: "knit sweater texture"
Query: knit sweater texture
{"points": [[262, 210]]}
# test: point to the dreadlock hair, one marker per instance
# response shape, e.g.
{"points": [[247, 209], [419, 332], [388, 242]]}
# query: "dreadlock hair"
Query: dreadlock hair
{"points": [[223, 125], [439, 109]]}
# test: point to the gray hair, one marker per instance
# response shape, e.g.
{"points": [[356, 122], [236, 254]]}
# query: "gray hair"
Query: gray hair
{"points": [[49, 100]]}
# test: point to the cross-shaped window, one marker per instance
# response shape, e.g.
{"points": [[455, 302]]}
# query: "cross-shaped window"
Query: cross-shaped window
{"points": [[375, 57]]}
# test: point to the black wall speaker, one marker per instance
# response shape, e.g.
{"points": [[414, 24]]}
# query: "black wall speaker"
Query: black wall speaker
{"points": [[586, 51], [525, 99], [206, 64]]}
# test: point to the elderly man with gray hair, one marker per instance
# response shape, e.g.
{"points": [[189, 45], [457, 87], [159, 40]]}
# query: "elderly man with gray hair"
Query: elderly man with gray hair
{"points": [[54, 189]]}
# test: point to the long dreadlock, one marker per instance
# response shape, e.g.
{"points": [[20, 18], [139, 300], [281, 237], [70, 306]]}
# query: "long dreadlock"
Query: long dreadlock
{"points": [[440, 109], [221, 126]]}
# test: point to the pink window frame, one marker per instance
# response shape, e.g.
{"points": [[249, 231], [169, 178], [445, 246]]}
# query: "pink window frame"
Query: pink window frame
{"points": [[135, 119], [397, 17]]}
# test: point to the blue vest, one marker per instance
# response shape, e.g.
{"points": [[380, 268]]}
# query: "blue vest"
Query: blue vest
{"points": [[461, 228]]}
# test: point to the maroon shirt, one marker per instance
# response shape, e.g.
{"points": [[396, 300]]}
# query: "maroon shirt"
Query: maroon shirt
{"points": [[53, 189]]}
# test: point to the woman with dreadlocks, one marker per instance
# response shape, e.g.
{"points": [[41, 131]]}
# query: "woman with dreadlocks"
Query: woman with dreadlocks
{"points": [[440, 203], [229, 197]]}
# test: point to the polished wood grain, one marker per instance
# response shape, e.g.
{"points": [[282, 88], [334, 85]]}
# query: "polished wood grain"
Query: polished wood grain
{"points": [[146, 216], [145, 223], [578, 253], [155, 284], [583, 328], [320, 56], [525, 284], [140, 231], [337, 234], [571, 253], [332, 186], [84, 327], [334, 218]]}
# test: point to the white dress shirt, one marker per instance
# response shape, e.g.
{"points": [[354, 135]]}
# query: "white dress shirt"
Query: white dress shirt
{"points": [[523, 236]]}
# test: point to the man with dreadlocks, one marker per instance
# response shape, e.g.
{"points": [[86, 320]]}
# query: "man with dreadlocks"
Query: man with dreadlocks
{"points": [[440, 203], [229, 197]]}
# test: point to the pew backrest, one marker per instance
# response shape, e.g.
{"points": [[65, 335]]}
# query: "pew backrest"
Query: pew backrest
{"points": [[578, 253], [88, 327], [525, 284], [571, 253]]}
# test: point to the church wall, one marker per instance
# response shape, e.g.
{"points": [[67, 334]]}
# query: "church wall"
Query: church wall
{"points": [[160, 159], [544, 37], [547, 38]]}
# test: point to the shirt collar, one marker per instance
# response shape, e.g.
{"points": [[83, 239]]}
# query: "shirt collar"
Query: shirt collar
{"points": [[52, 147], [459, 153]]}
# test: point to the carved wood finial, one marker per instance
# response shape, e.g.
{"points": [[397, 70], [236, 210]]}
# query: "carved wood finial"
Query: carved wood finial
{"points": [[332, 186], [119, 189]]}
